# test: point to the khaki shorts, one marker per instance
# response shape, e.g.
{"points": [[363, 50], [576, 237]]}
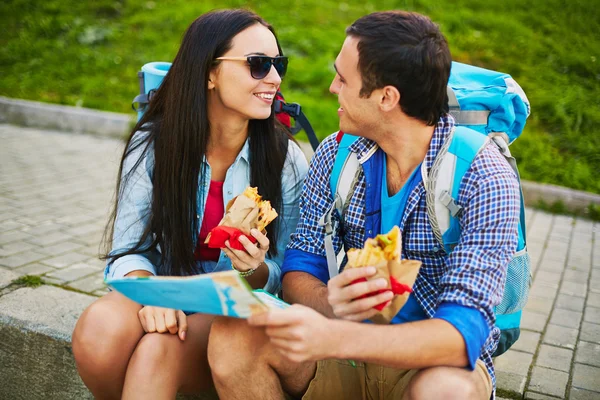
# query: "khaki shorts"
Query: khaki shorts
{"points": [[338, 379]]}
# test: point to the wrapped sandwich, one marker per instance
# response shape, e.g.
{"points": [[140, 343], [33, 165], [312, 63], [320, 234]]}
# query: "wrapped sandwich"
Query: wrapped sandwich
{"points": [[384, 253], [243, 213]]}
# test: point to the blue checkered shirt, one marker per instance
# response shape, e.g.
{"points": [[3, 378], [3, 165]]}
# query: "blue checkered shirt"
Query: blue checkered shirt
{"points": [[473, 275]]}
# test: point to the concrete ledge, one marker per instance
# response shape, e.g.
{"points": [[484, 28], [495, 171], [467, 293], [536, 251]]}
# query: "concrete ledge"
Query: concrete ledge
{"points": [[64, 118], [35, 351], [574, 200]]}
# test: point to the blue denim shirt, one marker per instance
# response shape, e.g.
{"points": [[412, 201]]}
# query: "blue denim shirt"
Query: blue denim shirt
{"points": [[134, 207]]}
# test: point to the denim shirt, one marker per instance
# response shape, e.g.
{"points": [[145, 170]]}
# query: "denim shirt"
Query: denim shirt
{"points": [[134, 208]]}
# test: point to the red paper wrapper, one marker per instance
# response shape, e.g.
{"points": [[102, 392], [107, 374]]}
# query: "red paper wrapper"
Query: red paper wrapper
{"points": [[397, 288], [220, 234]]}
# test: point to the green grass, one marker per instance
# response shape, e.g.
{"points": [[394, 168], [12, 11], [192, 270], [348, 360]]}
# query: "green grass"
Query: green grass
{"points": [[87, 53], [31, 281]]}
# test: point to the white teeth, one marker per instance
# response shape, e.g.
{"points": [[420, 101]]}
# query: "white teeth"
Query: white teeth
{"points": [[265, 96]]}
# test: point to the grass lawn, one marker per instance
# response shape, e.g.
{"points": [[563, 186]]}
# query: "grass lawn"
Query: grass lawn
{"points": [[87, 53]]}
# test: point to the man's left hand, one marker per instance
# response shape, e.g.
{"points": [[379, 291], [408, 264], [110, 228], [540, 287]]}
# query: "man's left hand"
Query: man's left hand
{"points": [[299, 333]]}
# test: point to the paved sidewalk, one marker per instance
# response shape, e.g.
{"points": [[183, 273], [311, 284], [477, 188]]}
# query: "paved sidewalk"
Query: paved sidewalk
{"points": [[55, 194]]}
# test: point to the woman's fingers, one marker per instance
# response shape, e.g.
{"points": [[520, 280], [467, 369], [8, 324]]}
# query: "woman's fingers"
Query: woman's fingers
{"points": [[182, 324], [171, 321], [262, 239]]}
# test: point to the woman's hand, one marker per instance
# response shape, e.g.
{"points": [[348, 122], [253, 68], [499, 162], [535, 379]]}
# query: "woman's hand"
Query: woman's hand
{"points": [[162, 320], [253, 256], [343, 295]]}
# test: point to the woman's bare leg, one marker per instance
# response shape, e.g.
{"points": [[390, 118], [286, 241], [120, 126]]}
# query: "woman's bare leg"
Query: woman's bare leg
{"points": [[163, 365], [104, 338]]}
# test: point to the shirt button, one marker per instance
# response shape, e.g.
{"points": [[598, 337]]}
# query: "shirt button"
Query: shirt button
{"points": [[197, 216], [229, 192], [436, 249], [370, 231]]}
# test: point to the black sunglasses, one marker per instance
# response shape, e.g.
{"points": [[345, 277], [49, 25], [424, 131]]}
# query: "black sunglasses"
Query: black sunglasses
{"points": [[260, 66]]}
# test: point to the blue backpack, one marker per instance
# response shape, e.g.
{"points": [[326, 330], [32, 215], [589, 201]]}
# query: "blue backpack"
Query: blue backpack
{"points": [[487, 106]]}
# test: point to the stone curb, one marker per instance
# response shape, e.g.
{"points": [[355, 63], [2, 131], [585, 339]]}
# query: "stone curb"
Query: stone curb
{"points": [[104, 123]]}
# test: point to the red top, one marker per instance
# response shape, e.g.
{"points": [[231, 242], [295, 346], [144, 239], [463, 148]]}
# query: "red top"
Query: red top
{"points": [[213, 213]]}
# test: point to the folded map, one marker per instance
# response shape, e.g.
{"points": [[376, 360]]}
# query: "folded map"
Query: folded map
{"points": [[220, 293]]}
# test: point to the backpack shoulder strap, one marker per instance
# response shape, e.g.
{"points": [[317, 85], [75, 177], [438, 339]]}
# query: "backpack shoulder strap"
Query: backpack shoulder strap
{"points": [[342, 182], [450, 166]]}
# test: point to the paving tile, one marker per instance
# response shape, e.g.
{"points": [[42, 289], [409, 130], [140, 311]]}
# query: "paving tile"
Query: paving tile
{"points": [[533, 321], [540, 305], [573, 289], [544, 291], [590, 332], [574, 275], [567, 302], [548, 381], [548, 277], [48, 239], [512, 383], [514, 362], [593, 300], [570, 319], [12, 248], [586, 377], [538, 396], [582, 394], [591, 314], [588, 353], [59, 248], [65, 260], [560, 336], [21, 259], [528, 342], [33, 269], [72, 273], [13, 236], [90, 284], [554, 358]]}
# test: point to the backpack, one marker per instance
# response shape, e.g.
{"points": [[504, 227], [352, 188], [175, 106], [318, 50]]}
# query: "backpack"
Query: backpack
{"points": [[152, 75], [487, 106]]}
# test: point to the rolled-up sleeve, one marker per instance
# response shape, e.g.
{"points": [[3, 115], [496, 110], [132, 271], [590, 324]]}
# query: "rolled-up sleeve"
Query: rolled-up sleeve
{"points": [[133, 212], [489, 225]]}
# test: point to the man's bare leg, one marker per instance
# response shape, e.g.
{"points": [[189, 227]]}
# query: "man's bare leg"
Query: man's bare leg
{"points": [[244, 365]]}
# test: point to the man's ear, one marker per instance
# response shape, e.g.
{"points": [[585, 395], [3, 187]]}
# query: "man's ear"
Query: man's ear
{"points": [[390, 98]]}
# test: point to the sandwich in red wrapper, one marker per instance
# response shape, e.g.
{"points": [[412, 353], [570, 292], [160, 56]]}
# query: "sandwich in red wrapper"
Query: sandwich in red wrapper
{"points": [[384, 253], [243, 213]]}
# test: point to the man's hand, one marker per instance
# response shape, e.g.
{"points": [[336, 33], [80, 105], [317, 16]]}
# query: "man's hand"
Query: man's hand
{"points": [[299, 333], [344, 296], [162, 320]]}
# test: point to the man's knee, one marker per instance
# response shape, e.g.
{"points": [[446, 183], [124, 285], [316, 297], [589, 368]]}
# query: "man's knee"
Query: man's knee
{"points": [[233, 346], [443, 383]]}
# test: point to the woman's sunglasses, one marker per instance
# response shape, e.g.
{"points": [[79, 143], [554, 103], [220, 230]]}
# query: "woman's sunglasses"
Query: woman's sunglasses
{"points": [[260, 66]]}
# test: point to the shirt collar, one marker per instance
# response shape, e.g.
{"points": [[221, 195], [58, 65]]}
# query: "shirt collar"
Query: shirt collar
{"points": [[364, 148]]}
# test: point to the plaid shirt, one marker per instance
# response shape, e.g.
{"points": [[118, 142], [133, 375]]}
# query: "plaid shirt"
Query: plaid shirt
{"points": [[473, 275]]}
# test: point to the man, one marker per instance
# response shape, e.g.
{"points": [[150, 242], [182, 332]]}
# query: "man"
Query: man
{"points": [[391, 79]]}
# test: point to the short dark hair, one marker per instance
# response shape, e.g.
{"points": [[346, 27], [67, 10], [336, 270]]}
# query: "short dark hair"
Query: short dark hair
{"points": [[408, 51]]}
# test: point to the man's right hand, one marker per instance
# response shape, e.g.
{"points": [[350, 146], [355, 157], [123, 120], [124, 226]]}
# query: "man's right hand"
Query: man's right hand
{"points": [[343, 295], [162, 320]]}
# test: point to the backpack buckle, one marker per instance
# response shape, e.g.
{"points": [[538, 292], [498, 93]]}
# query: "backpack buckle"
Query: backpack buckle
{"points": [[447, 200]]}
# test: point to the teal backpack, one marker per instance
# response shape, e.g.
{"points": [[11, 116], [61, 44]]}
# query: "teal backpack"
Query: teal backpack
{"points": [[487, 106]]}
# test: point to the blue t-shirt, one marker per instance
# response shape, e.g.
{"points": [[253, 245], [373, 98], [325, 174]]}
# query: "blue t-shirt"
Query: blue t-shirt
{"points": [[468, 321]]}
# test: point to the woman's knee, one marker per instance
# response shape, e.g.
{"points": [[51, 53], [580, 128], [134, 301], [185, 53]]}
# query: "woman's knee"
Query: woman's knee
{"points": [[104, 333]]}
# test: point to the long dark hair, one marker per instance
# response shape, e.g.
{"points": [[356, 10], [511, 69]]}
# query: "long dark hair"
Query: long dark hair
{"points": [[177, 131]]}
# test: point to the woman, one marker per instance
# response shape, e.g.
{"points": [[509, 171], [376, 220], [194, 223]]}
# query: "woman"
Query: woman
{"points": [[208, 133]]}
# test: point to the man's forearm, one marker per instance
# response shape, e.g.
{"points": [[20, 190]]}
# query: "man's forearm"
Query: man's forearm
{"points": [[413, 345], [303, 288]]}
